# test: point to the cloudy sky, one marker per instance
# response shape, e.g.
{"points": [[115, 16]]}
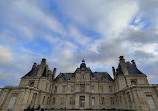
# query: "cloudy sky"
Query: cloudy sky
{"points": [[65, 31]]}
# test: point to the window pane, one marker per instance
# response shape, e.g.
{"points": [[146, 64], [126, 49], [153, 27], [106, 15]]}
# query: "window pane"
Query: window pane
{"points": [[55, 89], [151, 102], [71, 100], [82, 78], [93, 100], [82, 89], [64, 89], [92, 89], [110, 88], [53, 102], [62, 100], [72, 88], [112, 101], [102, 100]]}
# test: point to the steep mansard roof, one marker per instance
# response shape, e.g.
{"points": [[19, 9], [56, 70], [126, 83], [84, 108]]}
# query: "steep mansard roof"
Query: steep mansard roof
{"points": [[132, 69], [34, 71], [100, 76], [64, 77]]}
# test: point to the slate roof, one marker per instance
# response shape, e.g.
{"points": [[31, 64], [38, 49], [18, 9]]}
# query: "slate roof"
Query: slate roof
{"points": [[34, 71], [132, 69], [102, 76], [64, 77], [119, 70]]}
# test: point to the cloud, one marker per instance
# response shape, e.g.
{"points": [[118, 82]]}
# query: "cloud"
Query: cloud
{"points": [[66, 32], [140, 36], [6, 55], [27, 18], [100, 16]]}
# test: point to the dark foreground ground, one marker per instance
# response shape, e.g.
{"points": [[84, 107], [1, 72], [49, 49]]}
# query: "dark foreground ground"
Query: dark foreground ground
{"points": [[88, 110]]}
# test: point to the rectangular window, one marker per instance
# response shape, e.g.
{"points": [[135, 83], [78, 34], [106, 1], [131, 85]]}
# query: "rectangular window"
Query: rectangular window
{"points": [[112, 101], [82, 78], [93, 100], [93, 89], [82, 88], [71, 100], [72, 88], [151, 102], [62, 101], [102, 100], [120, 100], [48, 100], [11, 103], [53, 102], [102, 89], [64, 89], [55, 89], [110, 88], [129, 99], [43, 100]]}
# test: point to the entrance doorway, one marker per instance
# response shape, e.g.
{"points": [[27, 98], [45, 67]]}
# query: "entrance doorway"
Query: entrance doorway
{"points": [[82, 102]]}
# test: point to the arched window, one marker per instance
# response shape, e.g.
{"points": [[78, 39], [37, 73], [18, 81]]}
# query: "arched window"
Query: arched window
{"points": [[31, 84], [133, 82]]}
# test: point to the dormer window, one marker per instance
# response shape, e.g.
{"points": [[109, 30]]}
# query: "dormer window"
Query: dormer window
{"points": [[103, 78], [133, 82], [31, 84]]}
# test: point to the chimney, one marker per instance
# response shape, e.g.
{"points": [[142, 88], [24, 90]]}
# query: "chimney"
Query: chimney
{"points": [[133, 62], [114, 73], [122, 58], [54, 73], [123, 65], [41, 67], [50, 75], [34, 65], [117, 71], [43, 60]]}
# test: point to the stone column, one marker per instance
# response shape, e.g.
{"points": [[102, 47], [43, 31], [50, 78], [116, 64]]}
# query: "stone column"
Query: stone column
{"points": [[142, 99], [77, 101], [4, 93], [87, 101]]}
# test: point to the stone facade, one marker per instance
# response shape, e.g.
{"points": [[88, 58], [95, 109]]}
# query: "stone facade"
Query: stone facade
{"points": [[82, 89]]}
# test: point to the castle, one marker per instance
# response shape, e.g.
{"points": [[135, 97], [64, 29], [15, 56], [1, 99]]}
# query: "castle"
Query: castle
{"points": [[82, 89]]}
